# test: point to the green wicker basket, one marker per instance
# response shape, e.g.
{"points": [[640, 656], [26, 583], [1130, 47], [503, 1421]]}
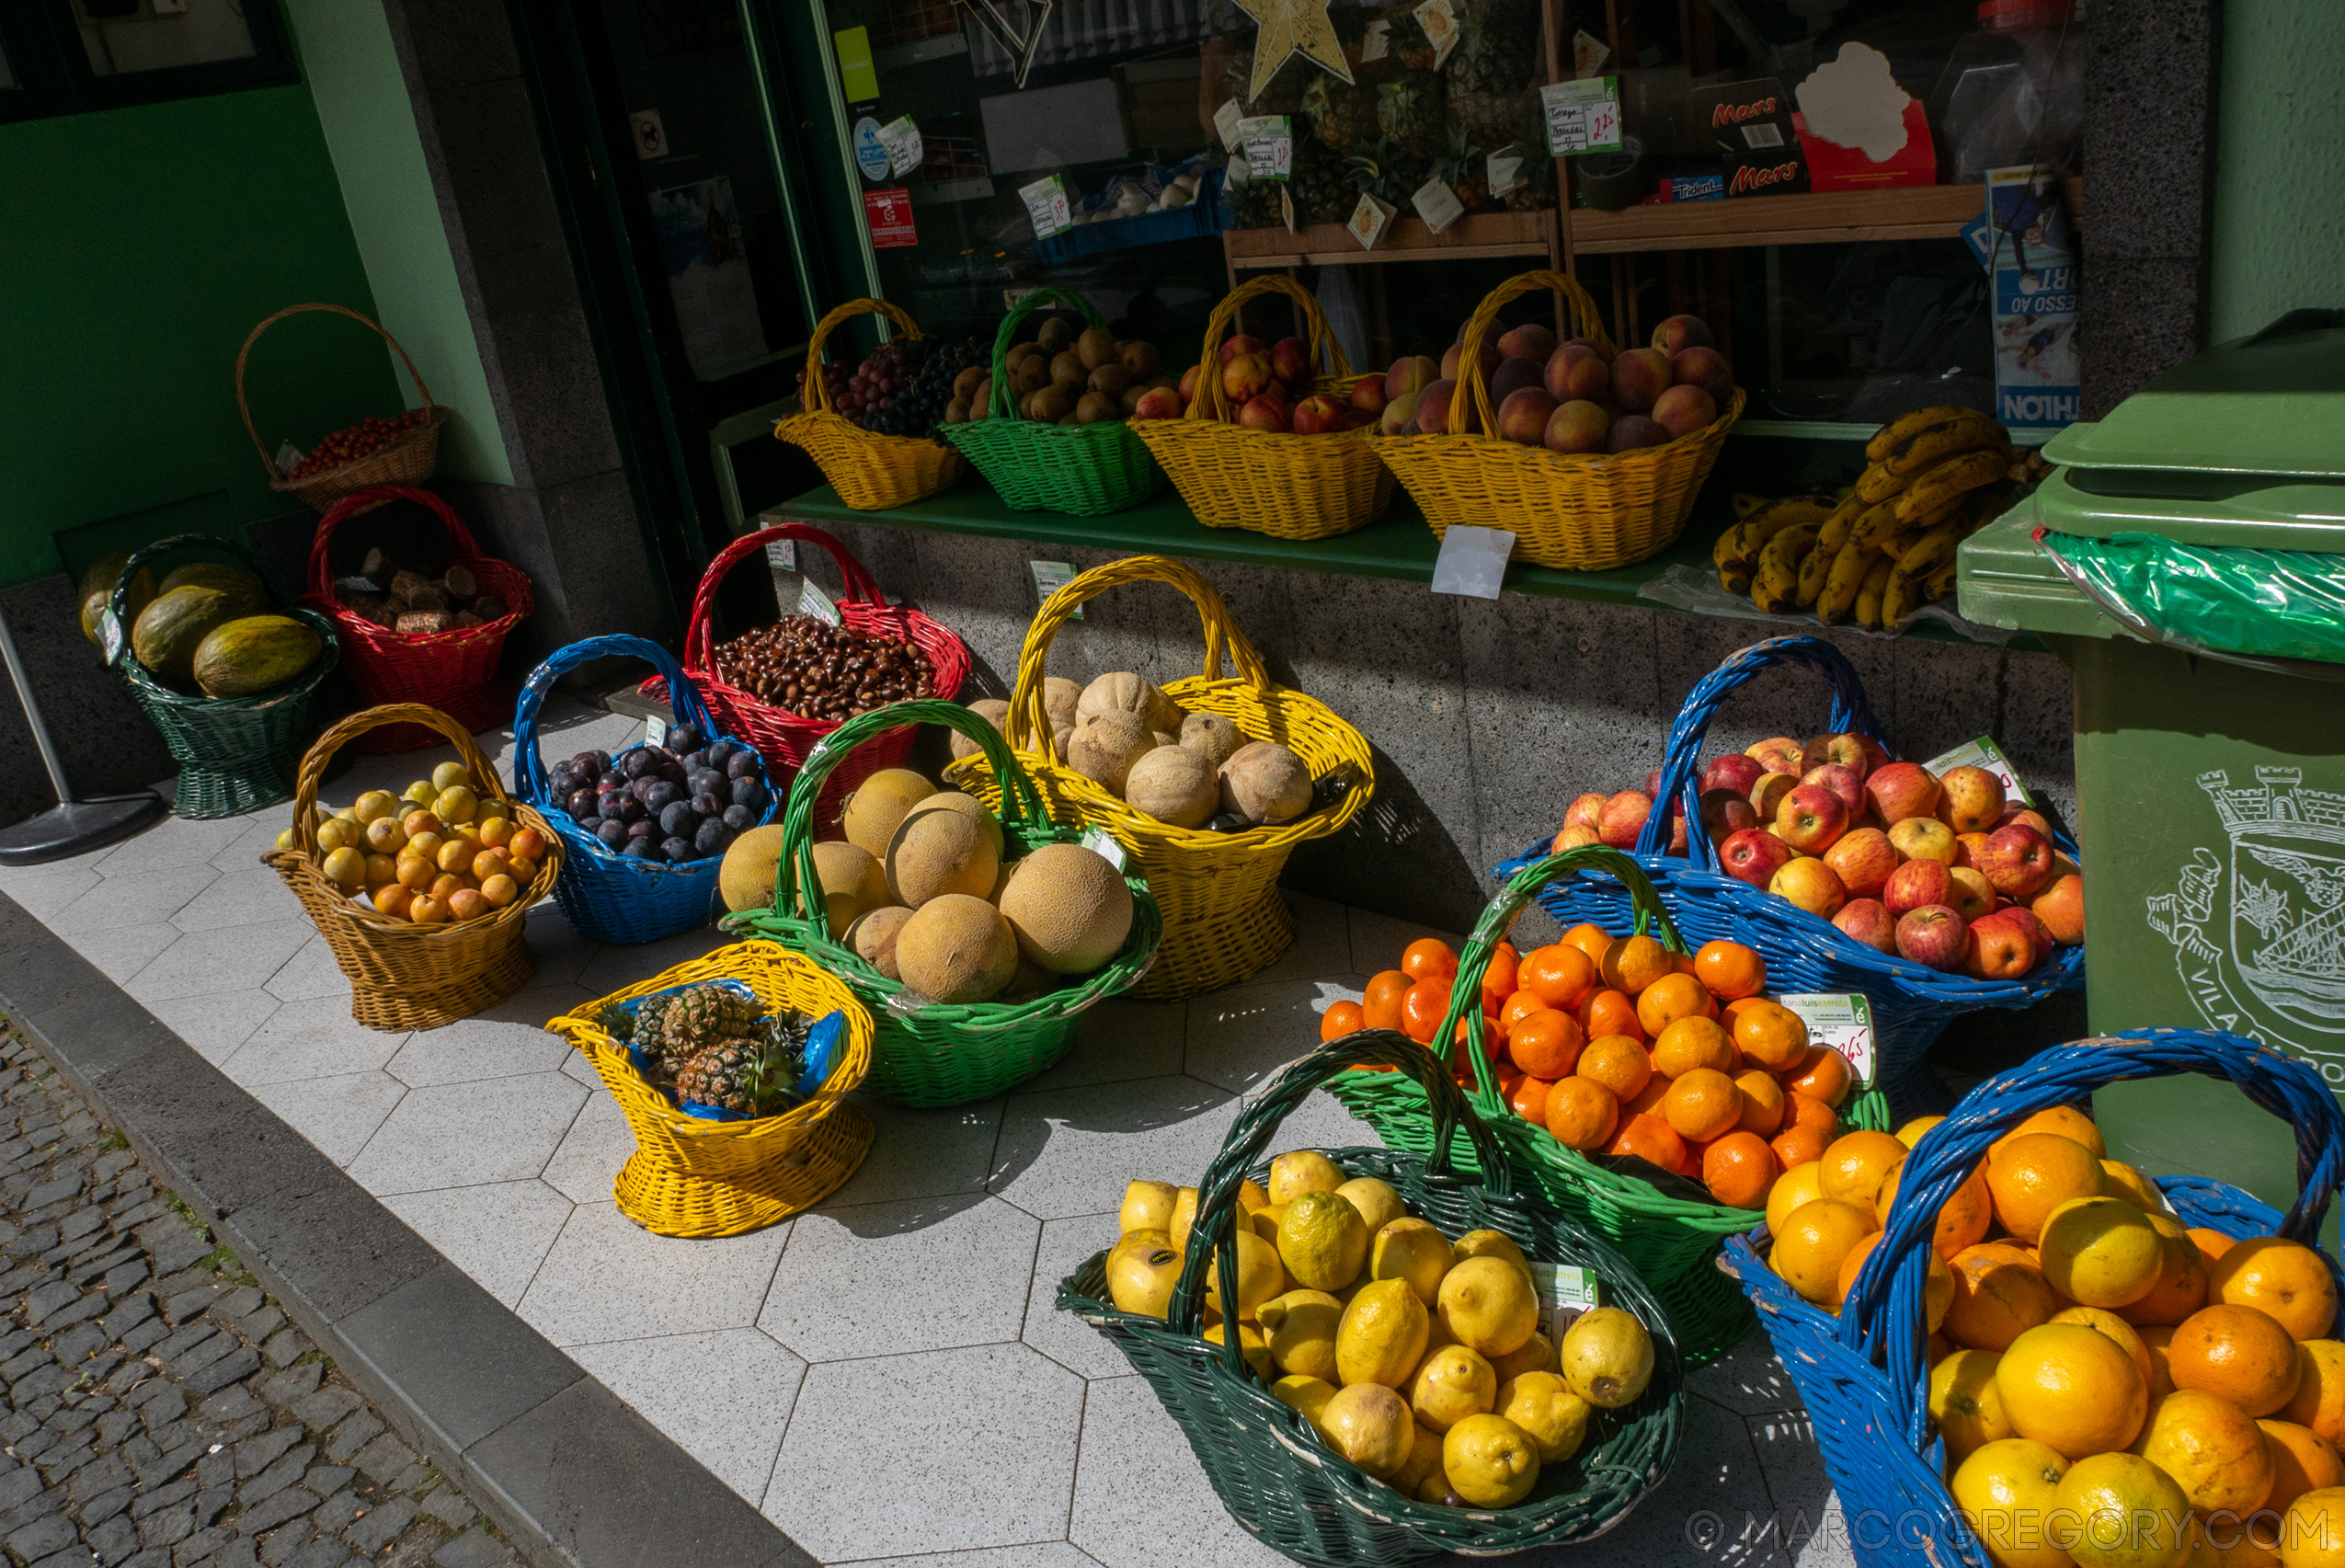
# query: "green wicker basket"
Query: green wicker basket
{"points": [[1270, 1469], [1672, 1242], [929, 1053], [1084, 469], [235, 754]]}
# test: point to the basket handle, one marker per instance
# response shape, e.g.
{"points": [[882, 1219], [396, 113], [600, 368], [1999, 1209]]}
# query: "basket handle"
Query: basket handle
{"points": [[794, 879], [998, 399], [1209, 401], [1248, 1138], [1029, 721], [244, 354], [1680, 777], [700, 632], [1471, 382], [816, 396], [1884, 1314], [119, 603], [462, 546], [343, 731], [683, 700]]}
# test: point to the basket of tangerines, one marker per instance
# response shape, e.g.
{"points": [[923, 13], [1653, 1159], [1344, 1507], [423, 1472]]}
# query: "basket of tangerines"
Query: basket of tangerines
{"points": [[1654, 1095], [2019, 1352]]}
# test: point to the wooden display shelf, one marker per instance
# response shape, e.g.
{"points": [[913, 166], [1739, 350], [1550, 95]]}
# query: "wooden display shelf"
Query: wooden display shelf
{"points": [[1331, 244], [1832, 217]]}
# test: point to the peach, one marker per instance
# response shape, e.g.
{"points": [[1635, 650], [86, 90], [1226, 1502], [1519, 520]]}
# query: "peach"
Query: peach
{"points": [[1753, 855], [1400, 416], [1931, 936], [1705, 368], [1973, 800], [1576, 369], [1923, 837], [1512, 375], [1244, 378], [1681, 332], [1262, 412], [1998, 949], [1602, 351], [1812, 885], [1899, 790], [1523, 415], [1433, 410], [1368, 395], [1290, 360], [2016, 813], [1845, 782], [1734, 770], [1189, 386], [1452, 360], [1726, 813], [1318, 414], [1638, 378], [1410, 372], [1865, 921], [1779, 754], [1578, 426], [1530, 341], [1159, 403], [1811, 818], [2016, 860], [1623, 817], [1682, 410], [1864, 859], [1914, 883], [1241, 344], [2061, 908], [1972, 895], [1767, 793], [1586, 811], [1630, 431]]}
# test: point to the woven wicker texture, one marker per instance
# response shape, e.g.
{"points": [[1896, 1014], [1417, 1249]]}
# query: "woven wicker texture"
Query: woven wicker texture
{"points": [[1088, 470], [609, 897], [690, 1176], [1270, 1469], [870, 472], [1270, 482], [1862, 1374], [784, 739], [1911, 1003], [1223, 917], [1580, 512], [454, 670], [402, 975], [1671, 1240], [931, 1053], [235, 754], [409, 460]]}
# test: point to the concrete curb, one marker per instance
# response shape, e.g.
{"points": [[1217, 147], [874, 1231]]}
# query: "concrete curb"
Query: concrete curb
{"points": [[572, 1476]]}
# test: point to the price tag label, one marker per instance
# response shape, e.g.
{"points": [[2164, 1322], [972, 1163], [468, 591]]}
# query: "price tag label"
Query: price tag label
{"points": [[1049, 577], [289, 457], [654, 732], [1376, 42], [1270, 145], [1225, 120], [1984, 753], [1565, 1290], [1439, 21], [1436, 204], [1583, 115], [1504, 171], [1046, 205], [1370, 220], [902, 140], [782, 554], [813, 601], [1286, 208], [1472, 561], [110, 634], [1842, 1020], [1099, 842]]}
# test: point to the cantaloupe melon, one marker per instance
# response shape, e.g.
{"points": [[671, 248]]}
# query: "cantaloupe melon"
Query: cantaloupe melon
{"points": [[957, 949], [1060, 698], [1070, 910], [853, 884], [1103, 749], [1173, 785], [994, 711], [1264, 782], [1123, 692], [746, 878], [874, 938], [938, 851], [1211, 736], [879, 805], [968, 806]]}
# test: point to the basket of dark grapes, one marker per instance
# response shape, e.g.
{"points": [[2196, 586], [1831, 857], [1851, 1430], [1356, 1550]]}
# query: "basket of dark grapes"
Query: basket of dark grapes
{"points": [[871, 430], [645, 832]]}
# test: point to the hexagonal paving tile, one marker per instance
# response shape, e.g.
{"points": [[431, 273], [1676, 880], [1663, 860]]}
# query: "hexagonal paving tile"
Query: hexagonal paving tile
{"points": [[140, 897], [216, 1026], [1237, 1037], [497, 1232], [591, 1153], [504, 1041], [924, 1274], [337, 1114], [245, 896], [311, 1039], [309, 974], [725, 1397], [1062, 1336], [609, 1278], [455, 1135], [120, 952], [1072, 1150], [1118, 1041], [923, 1153], [1141, 1499], [203, 963]]}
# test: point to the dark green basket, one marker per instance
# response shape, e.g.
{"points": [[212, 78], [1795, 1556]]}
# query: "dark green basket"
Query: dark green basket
{"points": [[1267, 1465], [1673, 1242], [235, 754], [1084, 469], [929, 1053]]}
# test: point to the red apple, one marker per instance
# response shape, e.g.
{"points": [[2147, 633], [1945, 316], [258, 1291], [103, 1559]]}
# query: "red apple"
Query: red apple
{"points": [[1967, 849], [1780, 754], [1726, 814], [1972, 894], [1899, 790], [1574, 838], [1677, 333], [2015, 812], [1159, 403], [2061, 908], [2038, 934], [1810, 883], [1846, 783], [1682, 410], [1262, 413], [1705, 368], [1584, 812], [1734, 770], [1245, 377], [1998, 949], [2016, 860], [1367, 395], [1578, 426], [1623, 817], [1577, 372], [1811, 818], [1847, 750], [1917, 883], [1753, 855], [1863, 858], [1931, 936], [1924, 837], [1318, 414], [1638, 378], [1767, 793], [1523, 415], [1290, 360], [1528, 341], [1410, 372], [1189, 386], [1973, 800], [1241, 344], [1865, 921]]}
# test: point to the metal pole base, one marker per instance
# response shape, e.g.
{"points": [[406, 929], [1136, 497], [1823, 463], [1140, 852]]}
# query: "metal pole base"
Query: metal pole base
{"points": [[76, 827]]}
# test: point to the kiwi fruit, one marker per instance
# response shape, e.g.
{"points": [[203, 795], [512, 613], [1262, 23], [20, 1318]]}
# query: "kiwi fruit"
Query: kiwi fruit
{"points": [[1110, 378], [1094, 406], [1096, 347], [1069, 371]]}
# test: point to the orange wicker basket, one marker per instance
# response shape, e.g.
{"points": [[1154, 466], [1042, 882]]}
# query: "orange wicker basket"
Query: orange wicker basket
{"points": [[870, 472], [1587, 513], [1288, 486], [409, 460]]}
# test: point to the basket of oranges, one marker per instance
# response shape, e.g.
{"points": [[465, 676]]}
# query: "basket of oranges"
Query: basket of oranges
{"points": [[2039, 1356], [1654, 1095]]}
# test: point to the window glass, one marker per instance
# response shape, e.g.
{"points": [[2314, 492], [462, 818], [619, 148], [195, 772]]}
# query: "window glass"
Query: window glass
{"points": [[121, 37]]}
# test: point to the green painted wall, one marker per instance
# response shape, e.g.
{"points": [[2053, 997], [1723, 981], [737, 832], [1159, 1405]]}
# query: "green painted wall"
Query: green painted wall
{"points": [[2280, 163], [137, 248], [370, 128]]}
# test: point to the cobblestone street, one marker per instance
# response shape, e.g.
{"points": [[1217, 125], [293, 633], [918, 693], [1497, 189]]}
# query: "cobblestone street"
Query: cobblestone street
{"points": [[161, 1410]]}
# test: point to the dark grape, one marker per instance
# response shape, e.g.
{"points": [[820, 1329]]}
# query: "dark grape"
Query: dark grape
{"points": [[613, 807], [641, 849], [713, 837], [707, 804], [613, 834], [677, 820], [639, 763], [643, 828], [660, 797], [684, 738], [741, 765], [741, 818], [585, 803]]}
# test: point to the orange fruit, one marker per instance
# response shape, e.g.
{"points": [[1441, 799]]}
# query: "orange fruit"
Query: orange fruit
{"points": [[2312, 1531], [1649, 1138], [1770, 1035], [2009, 1490], [2118, 1329], [1807, 1111], [1762, 1103], [2239, 1353], [1798, 1146], [2037, 1173], [2286, 1280], [1517, 1007], [1963, 1399], [2302, 1460], [2072, 1388], [1690, 1043], [1635, 962], [1911, 1133], [1591, 940], [1739, 1169], [1798, 1185], [1702, 1104], [1546, 1044], [1648, 1098], [1529, 1099], [1604, 1011], [2320, 1399], [2156, 1338], [1999, 1294], [1670, 998], [1423, 1009], [1815, 1238], [1822, 1075], [1499, 977], [1616, 1062], [2181, 1278], [1582, 1113], [1429, 958], [2212, 1244], [1380, 1008], [1962, 1221], [1857, 1164], [1559, 975], [2065, 1120], [1730, 970], [2212, 1448], [1341, 1018]]}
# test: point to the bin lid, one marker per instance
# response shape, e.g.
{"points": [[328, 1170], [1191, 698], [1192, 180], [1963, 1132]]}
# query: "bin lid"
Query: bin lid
{"points": [[2004, 578]]}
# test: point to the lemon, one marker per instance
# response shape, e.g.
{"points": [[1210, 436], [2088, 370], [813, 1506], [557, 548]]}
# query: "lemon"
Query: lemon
{"points": [[1148, 1205], [1536, 1354], [1544, 1406], [1141, 1271], [1266, 1221], [2125, 1512], [1487, 1303], [1488, 1244], [1378, 1205], [1307, 1395], [2101, 1251], [1451, 1385], [1260, 1276], [1492, 1462], [2006, 1490], [1607, 1357], [1381, 1336], [1250, 1346], [1184, 1217], [1369, 1424], [2136, 1188], [1436, 1334], [1322, 1241], [1425, 1459], [1436, 1488], [1301, 1326], [1411, 1250], [1301, 1170]]}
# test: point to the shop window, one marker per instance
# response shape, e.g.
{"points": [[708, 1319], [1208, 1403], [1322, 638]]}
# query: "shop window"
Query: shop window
{"points": [[72, 56]]}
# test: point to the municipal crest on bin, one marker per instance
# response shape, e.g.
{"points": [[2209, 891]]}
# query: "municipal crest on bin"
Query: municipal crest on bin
{"points": [[2259, 938]]}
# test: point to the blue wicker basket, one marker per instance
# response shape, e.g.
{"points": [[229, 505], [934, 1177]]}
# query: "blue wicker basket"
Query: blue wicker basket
{"points": [[1911, 1002], [605, 896], [1862, 1375]]}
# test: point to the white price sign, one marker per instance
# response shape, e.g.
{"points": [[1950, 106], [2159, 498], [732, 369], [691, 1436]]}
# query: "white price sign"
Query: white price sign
{"points": [[1583, 115], [902, 140], [1097, 841], [1046, 202], [1436, 204], [1049, 577], [1270, 145], [1565, 1290], [1225, 120], [1984, 753], [1842, 1020], [654, 732], [813, 601]]}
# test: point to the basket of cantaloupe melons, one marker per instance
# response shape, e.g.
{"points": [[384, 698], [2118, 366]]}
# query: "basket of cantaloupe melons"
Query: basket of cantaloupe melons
{"points": [[977, 940]]}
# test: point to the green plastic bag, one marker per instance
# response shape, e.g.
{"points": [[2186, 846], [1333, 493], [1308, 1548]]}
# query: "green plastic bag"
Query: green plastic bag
{"points": [[2219, 603]]}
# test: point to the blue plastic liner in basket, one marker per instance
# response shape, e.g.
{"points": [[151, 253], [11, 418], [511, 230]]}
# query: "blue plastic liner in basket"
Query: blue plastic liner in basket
{"points": [[606, 895], [823, 1041], [1911, 1002], [1862, 1375]]}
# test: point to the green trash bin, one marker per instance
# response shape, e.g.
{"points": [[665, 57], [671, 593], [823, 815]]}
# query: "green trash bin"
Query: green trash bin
{"points": [[2188, 561]]}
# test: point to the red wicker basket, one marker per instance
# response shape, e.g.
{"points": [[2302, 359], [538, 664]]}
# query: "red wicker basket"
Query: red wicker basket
{"points": [[454, 671], [787, 739]]}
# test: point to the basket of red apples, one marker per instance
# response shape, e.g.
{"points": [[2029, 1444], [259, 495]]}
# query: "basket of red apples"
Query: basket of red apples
{"points": [[1590, 456], [1933, 894], [1271, 437]]}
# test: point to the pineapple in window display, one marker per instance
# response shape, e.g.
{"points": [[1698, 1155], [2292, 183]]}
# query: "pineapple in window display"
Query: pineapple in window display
{"points": [[1462, 168], [1381, 169], [1321, 193], [1405, 42], [1340, 115], [1410, 110]]}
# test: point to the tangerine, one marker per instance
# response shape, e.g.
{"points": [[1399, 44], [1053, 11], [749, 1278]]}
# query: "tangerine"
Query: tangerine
{"points": [[1605, 1011], [2066, 1120], [2285, 1280], [1582, 1113], [1424, 1008], [1519, 1006], [1381, 1007], [1762, 1103], [2182, 1287], [1770, 1035], [2239, 1353], [1499, 979], [1591, 940], [1429, 958], [1559, 975], [1702, 1104], [1635, 962], [1545, 1044], [1694, 1042], [1730, 970], [2036, 1173], [2006, 1488], [2212, 1450], [2072, 1388], [1670, 997], [1649, 1138], [1341, 1018], [1648, 1098], [1618, 1062], [1739, 1169], [1528, 1098], [2320, 1399], [2103, 1320], [2302, 1460], [1999, 1294], [1799, 1145], [2212, 1244], [1822, 1075], [1807, 1111], [1962, 1222]]}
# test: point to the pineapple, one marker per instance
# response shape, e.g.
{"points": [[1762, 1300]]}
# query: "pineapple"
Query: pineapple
{"points": [[1339, 115], [1320, 192], [750, 1076], [1410, 111], [671, 1029], [1536, 190], [1405, 40], [1386, 172], [1461, 169], [1498, 46]]}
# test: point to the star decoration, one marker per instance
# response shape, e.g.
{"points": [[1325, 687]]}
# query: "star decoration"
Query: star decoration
{"points": [[1289, 28]]}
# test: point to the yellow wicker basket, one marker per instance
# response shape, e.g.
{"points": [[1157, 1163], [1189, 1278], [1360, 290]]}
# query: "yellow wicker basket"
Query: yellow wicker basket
{"points": [[693, 1177], [1223, 917], [1288, 486], [1585, 513], [870, 472]]}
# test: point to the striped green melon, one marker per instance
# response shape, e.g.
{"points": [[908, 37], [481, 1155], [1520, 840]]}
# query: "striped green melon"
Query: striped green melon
{"points": [[253, 654], [215, 574], [97, 589], [169, 630]]}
